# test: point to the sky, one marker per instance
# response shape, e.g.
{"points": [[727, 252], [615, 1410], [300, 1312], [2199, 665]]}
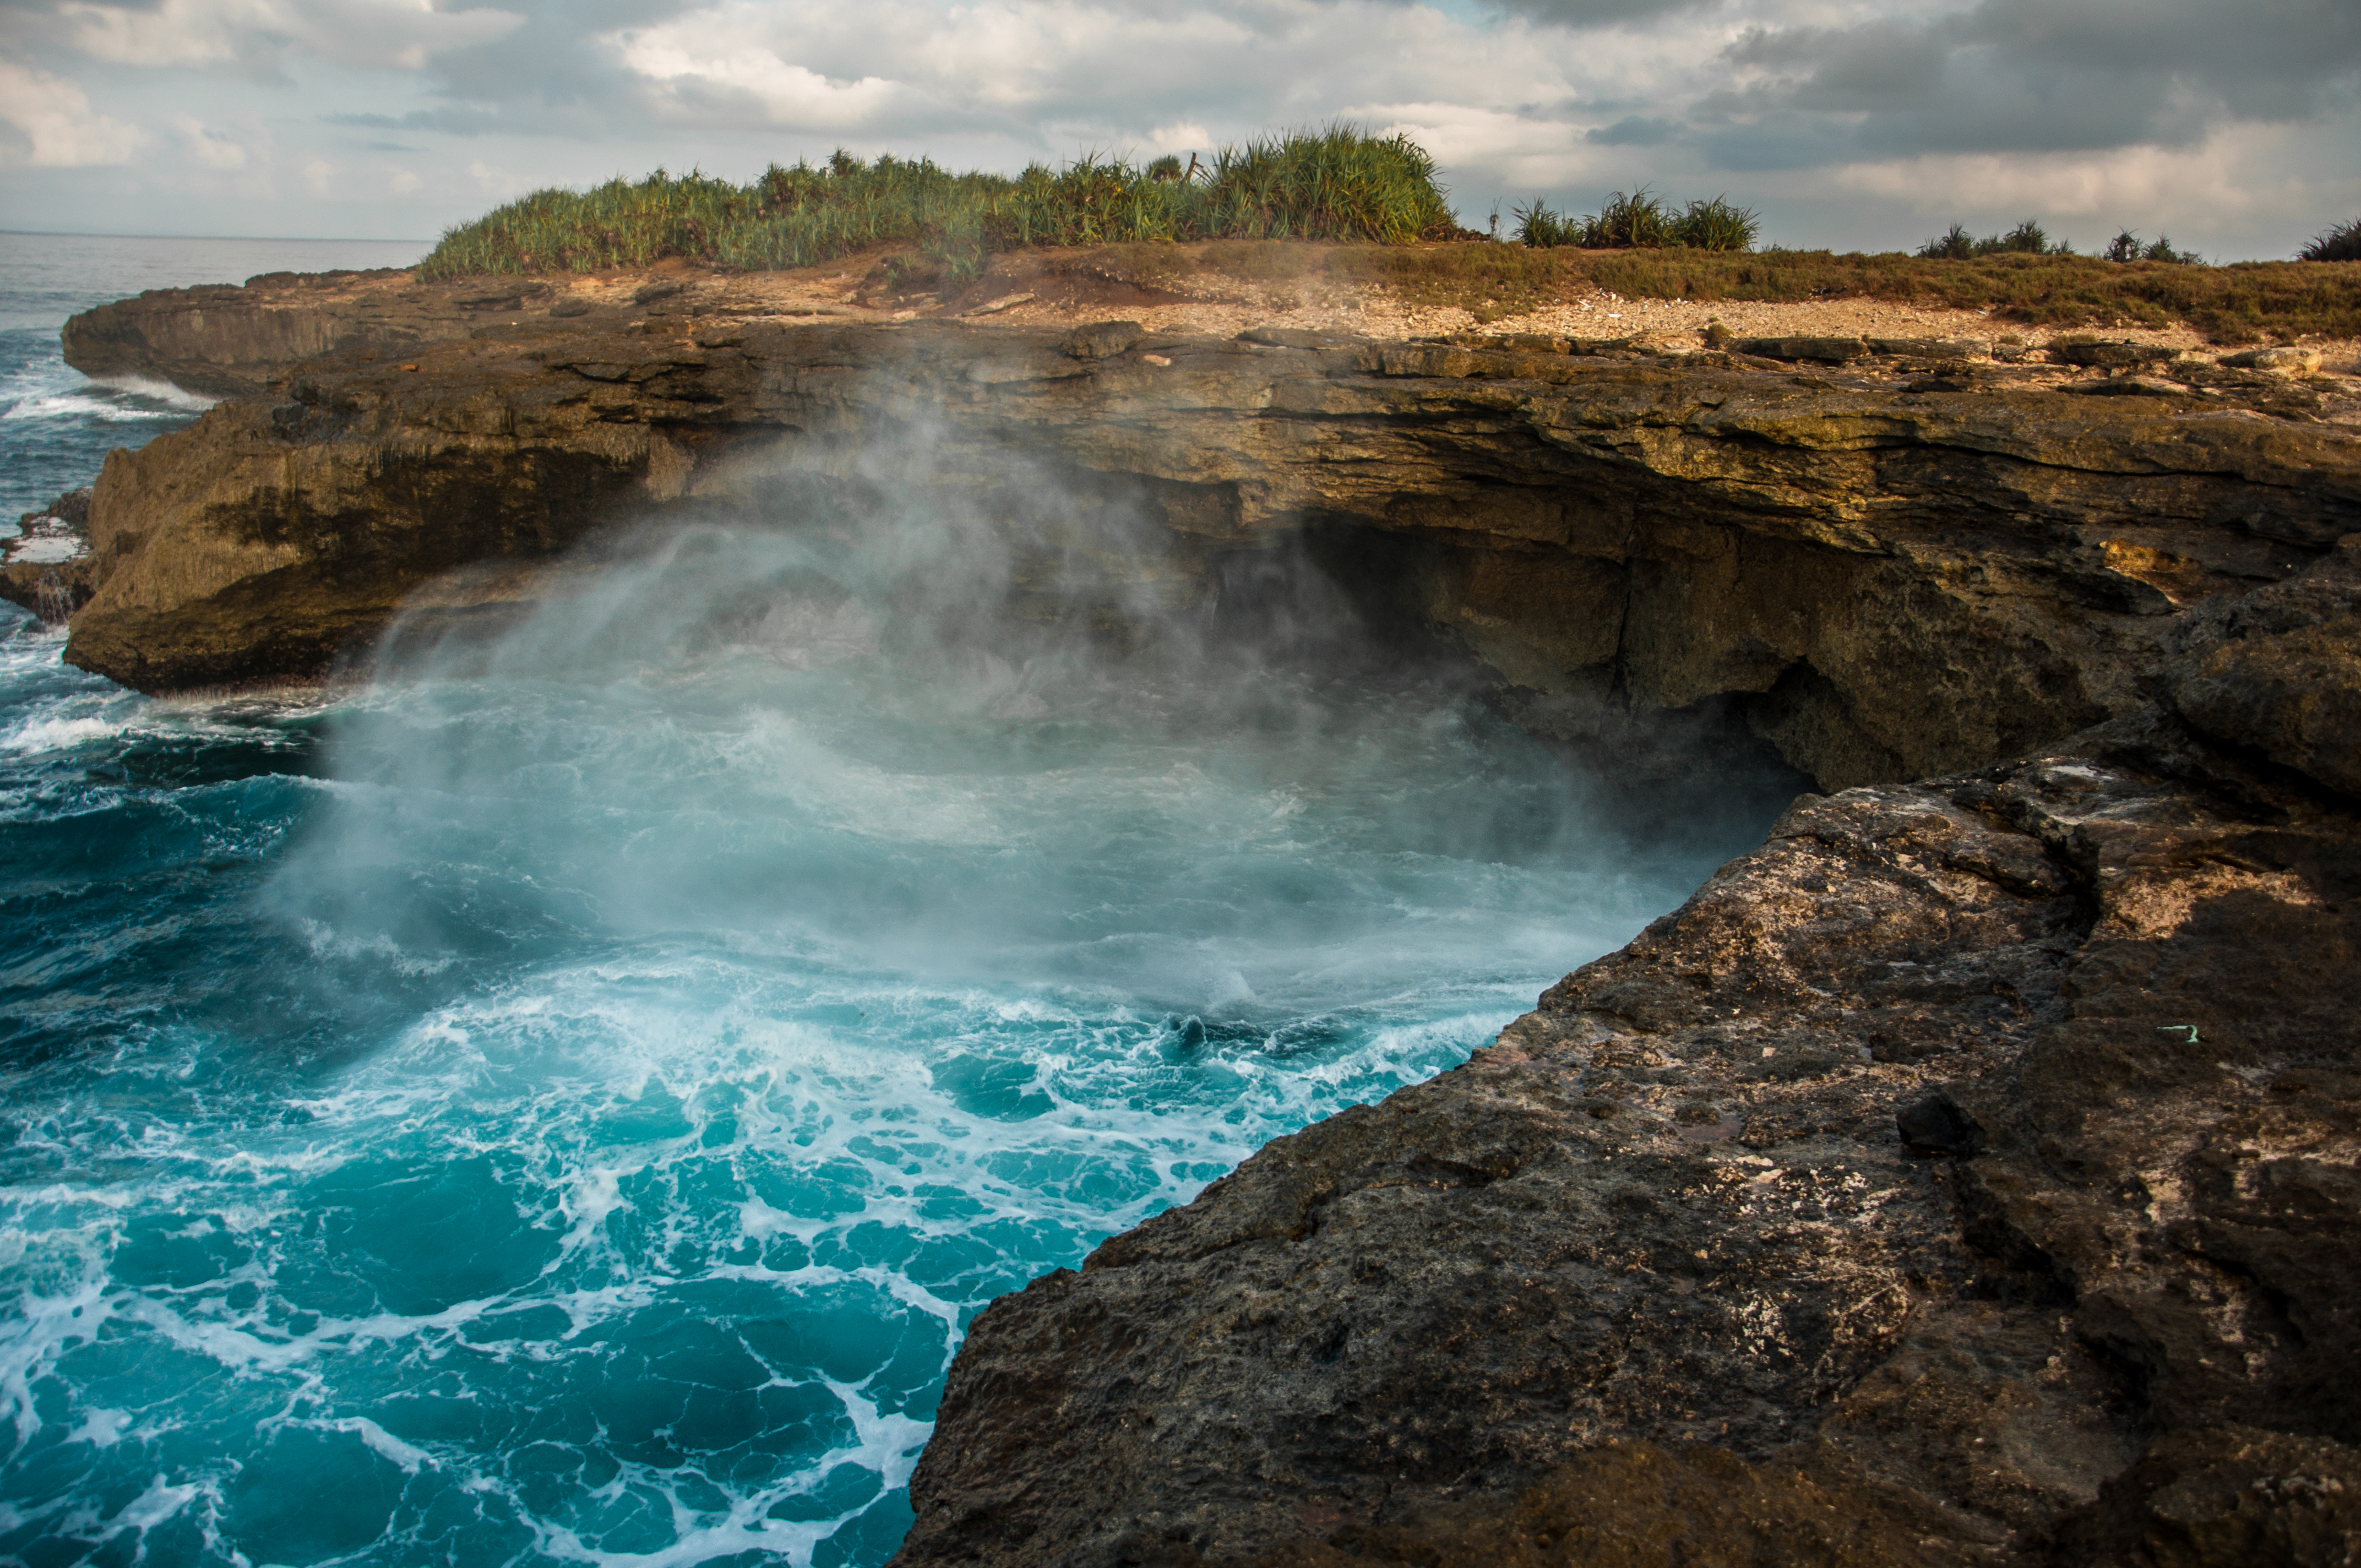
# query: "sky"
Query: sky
{"points": [[2232, 126]]}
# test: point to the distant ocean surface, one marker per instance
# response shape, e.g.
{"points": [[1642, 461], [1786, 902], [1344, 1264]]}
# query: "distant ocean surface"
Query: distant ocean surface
{"points": [[56, 427], [566, 1104]]}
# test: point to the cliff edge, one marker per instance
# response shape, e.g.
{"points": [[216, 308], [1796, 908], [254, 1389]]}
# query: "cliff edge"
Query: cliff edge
{"points": [[1891, 559]]}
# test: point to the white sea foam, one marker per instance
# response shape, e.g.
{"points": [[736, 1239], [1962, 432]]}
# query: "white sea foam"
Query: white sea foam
{"points": [[177, 398], [81, 406], [632, 1068], [57, 734]]}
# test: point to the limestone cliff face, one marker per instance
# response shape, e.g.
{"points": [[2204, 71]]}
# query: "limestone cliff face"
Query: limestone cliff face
{"points": [[230, 341], [1890, 582]]}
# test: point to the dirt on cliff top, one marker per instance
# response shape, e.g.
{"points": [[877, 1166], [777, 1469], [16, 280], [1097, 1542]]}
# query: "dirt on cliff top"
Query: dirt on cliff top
{"points": [[1223, 288]]}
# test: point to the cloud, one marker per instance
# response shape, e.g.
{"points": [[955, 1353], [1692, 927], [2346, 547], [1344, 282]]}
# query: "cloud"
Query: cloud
{"points": [[215, 149], [1634, 130], [2027, 77], [2231, 172], [56, 120], [689, 79], [257, 35], [1064, 75], [1845, 120], [1586, 13]]}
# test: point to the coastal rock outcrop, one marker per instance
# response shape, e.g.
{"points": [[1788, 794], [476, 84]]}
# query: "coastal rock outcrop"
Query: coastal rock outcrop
{"points": [[1966, 1175], [1888, 580], [228, 340]]}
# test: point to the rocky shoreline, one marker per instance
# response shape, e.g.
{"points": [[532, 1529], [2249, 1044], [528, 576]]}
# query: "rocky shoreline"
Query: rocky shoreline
{"points": [[1964, 1176]]}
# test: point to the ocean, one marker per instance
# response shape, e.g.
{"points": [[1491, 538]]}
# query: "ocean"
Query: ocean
{"points": [[565, 1100]]}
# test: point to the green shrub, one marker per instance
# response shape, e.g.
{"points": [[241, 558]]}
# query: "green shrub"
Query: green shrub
{"points": [[1629, 222], [1640, 220], [2028, 238], [1542, 229], [2127, 246], [1486, 279], [1716, 226], [1339, 183], [2341, 243]]}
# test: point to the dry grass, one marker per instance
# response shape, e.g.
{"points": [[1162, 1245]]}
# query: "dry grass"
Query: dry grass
{"points": [[2244, 302]]}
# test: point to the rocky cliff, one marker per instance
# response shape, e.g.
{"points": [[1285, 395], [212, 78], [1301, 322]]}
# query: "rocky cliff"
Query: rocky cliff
{"points": [[232, 341], [1966, 1176], [1894, 568]]}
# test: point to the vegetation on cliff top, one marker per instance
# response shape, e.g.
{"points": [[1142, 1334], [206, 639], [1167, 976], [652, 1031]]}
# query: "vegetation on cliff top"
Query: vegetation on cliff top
{"points": [[1642, 219], [2240, 303], [1340, 183], [1377, 194]]}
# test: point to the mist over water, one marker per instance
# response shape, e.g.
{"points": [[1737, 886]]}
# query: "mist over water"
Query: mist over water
{"points": [[564, 1101]]}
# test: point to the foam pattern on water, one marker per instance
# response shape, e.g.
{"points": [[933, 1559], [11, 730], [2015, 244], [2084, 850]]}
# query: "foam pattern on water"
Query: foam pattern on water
{"points": [[566, 1105]]}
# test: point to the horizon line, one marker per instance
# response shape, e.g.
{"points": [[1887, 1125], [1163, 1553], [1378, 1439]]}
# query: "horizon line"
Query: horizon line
{"points": [[257, 238]]}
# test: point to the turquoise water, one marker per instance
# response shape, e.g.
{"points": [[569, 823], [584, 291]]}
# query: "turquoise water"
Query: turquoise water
{"points": [[564, 1101]]}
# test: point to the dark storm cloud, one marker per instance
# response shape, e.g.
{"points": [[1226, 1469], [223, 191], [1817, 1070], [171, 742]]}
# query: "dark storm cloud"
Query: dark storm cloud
{"points": [[1635, 130], [2018, 76]]}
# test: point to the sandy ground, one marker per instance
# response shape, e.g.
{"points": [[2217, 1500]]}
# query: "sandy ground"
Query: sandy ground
{"points": [[1223, 306]]}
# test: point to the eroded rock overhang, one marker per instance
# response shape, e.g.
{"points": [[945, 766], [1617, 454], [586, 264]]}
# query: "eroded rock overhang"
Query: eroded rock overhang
{"points": [[1890, 577]]}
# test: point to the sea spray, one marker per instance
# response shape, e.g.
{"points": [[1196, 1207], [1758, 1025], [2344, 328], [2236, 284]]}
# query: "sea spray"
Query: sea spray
{"points": [[565, 1100]]}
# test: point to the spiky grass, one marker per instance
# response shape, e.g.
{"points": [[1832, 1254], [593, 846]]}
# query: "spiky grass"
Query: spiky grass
{"points": [[2128, 246], [1639, 220], [1716, 224], [1339, 183], [2028, 238], [2341, 243]]}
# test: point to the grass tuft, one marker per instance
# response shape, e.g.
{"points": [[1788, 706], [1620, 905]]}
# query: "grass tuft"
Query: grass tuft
{"points": [[2341, 243], [2126, 246], [2028, 238], [1718, 224], [1639, 220], [1339, 183]]}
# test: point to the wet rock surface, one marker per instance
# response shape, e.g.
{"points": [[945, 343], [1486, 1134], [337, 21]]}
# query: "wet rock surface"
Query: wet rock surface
{"points": [[1662, 1276]]}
